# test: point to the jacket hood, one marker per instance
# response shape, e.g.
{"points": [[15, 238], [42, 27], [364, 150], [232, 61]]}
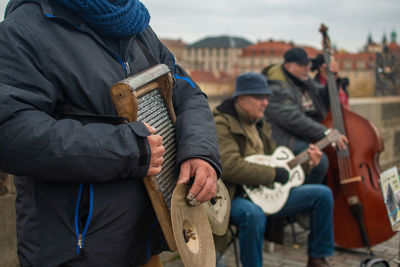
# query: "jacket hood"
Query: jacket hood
{"points": [[228, 106], [276, 73], [14, 4], [50, 9]]}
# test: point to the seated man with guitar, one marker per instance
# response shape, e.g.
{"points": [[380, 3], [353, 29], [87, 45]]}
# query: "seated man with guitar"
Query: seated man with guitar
{"points": [[243, 132]]}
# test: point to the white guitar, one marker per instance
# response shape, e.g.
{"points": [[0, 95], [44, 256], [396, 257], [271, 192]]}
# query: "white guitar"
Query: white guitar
{"points": [[272, 199]]}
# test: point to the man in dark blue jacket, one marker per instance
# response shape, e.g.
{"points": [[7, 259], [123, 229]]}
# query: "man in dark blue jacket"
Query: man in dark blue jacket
{"points": [[294, 107], [81, 201]]}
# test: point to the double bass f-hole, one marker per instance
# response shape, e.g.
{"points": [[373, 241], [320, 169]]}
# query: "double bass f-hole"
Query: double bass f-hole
{"points": [[371, 180]]}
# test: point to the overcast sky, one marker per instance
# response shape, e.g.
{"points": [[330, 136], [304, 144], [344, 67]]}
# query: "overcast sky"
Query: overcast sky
{"points": [[349, 21]]}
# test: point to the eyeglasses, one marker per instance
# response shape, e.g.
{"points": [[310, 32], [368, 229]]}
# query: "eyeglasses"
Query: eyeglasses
{"points": [[260, 97]]}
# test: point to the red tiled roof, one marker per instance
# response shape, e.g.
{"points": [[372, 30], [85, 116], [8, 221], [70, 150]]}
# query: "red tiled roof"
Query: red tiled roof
{"points": [[393, 47], [209, 77], [356, 56], [311, 51], [203, 76], [275, 48], [172, 42], [223, 76], [368, 58]]}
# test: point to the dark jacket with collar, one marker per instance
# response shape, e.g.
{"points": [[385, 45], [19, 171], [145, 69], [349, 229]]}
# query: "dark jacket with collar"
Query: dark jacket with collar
{"points": [[289, 122], [48, 56]]}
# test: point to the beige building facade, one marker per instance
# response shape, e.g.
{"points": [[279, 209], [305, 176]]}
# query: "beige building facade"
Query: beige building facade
{"points": [[215, 54]]}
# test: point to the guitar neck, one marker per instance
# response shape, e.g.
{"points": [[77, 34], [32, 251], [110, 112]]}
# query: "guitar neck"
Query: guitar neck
{"points": [[304, 156]]}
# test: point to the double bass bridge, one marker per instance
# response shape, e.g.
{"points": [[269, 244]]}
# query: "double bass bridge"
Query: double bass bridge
{"points": [[351, 180]]}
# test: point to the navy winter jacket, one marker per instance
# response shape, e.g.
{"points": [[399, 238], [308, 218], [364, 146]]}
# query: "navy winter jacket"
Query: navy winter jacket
{"points": [[79, 184]]}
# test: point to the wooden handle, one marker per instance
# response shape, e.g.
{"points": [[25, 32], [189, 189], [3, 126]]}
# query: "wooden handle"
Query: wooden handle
{"points": [[161, 210], [125, 101]]}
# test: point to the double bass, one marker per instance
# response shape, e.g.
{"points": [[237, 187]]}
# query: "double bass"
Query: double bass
{"points": [[360, 217]]}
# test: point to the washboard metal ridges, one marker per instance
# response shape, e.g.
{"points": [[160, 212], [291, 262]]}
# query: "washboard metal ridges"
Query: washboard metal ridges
{"points": [[147, 97]]}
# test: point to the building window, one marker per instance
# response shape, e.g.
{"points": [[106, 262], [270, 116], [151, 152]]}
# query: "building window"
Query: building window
{"points": [[347, 65], [360, 64]]}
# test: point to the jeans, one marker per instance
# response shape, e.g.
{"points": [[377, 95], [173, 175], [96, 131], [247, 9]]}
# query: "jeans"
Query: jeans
{"points": [[317, 174], [313, 199]]}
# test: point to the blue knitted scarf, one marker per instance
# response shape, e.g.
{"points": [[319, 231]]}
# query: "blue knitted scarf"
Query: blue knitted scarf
{"points": [[116, 18]]}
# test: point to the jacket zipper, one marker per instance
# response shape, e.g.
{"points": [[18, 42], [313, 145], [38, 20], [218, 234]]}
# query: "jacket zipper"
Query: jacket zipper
{"points": [[80, 237], [127, 68]]}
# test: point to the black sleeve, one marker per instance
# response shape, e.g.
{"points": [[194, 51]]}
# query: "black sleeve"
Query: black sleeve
{"points": [[33, 143]]}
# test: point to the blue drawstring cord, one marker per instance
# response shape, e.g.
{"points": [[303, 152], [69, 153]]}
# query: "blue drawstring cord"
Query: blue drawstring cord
{"points": [[149, 238], [179, 77], [77, 215], [81, 237]]}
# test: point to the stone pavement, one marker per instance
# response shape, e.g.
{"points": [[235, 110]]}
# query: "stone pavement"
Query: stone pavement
{"points": [[288, 256]]}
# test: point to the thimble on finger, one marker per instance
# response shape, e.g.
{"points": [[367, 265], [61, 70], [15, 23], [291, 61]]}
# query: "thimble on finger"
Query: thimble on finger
{"points": [[194, 202], [190, 196]]}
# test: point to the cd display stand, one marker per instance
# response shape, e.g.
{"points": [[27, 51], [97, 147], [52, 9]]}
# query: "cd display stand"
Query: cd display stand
{"points": [[390, 186]]}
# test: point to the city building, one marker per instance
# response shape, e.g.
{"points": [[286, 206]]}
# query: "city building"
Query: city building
{"points": [[359, 68], [215, 62], [215, 54], [258, 56], [214, 84]]}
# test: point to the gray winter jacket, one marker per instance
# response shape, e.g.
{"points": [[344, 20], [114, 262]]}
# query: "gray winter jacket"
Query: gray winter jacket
{"points": [[80, 181], [289, 122]]}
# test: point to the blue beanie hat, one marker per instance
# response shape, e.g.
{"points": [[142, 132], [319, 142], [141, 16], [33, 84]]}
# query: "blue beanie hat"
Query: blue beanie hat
{"points": [[251, 83]]}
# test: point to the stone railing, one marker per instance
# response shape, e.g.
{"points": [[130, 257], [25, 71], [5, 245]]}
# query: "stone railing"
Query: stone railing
{"points": [[383, 112]]}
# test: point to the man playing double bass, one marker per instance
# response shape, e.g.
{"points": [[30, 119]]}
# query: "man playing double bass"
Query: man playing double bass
{"points": [[295, 107], [295, 112]]}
